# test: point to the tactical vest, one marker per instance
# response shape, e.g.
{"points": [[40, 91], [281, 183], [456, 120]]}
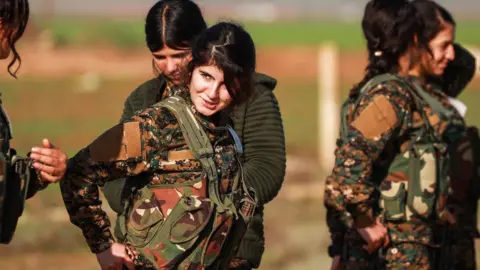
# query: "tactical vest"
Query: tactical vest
{"points": [[14, 182], [196, 228], [416, 183]]}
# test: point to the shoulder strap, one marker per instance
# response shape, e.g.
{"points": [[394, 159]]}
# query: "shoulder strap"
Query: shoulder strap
{"points": [[436, 106], [197, 140]]}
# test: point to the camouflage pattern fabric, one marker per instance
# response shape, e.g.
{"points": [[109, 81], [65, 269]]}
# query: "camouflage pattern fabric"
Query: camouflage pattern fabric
{"points": [[408, 256], [168, 213], [381, 124]]}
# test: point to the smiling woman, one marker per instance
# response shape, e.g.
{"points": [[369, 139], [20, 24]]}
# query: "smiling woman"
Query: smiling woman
{"points": [[47, 163], [438, 33], [180, 146], [208, 91], [221, 68]]}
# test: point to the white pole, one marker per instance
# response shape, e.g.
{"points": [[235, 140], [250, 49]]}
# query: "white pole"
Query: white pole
{"points": [[328, 104]]}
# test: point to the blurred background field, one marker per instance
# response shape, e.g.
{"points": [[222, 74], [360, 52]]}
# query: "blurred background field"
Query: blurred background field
{"points": [[79, 66]]}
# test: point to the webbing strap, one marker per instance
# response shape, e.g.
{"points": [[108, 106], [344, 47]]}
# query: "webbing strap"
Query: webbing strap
{"points": [[198, 141], [436, 106]]}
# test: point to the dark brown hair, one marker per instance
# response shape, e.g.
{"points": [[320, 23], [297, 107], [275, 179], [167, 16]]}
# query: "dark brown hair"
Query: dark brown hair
{"points": [[229, 47], [14, 15]]}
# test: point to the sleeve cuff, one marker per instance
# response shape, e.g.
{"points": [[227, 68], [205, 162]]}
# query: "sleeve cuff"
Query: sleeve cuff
{"points": [[100, 245], [36, 183], [364, 219], [335, 250]]}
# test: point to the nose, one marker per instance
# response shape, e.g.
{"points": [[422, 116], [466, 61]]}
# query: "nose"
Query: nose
{"points": [[213, 91], [450, 53], [171, 66]]}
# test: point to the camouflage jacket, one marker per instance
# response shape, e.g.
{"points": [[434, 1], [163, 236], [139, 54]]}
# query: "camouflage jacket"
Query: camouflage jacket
{"points": [[151, 143], [383, 121], [258, 123]]}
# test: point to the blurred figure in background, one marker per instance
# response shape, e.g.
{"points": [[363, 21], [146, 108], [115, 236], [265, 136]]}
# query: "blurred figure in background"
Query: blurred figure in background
{"points": [[402, 153], [457, 240], [20, 178]]}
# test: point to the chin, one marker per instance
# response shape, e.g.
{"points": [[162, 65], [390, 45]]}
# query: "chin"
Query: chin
{"points": [[206, 112], [439, 72], [175, 81]]}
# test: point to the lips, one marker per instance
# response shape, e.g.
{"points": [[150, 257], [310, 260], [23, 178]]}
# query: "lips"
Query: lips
{"points": [[209, 105]]}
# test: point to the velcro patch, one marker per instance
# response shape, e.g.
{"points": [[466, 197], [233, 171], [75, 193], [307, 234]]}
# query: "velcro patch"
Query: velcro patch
{"points": [[118, 143], [376, 119], [180, 155]]}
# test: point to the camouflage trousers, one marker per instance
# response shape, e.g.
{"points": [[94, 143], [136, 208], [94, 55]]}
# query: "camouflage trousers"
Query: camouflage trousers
{"points": [[400, 254], [142, 263], [356, 257], [413, 256]]}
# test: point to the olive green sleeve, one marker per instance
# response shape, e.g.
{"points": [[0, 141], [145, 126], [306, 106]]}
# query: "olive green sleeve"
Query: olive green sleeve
{"points": [[264, 145]]}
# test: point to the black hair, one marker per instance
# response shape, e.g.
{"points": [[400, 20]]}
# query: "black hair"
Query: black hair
{"points": [[389, 27], [174, 23], [14, 18], [229, 47], [431, 18]]}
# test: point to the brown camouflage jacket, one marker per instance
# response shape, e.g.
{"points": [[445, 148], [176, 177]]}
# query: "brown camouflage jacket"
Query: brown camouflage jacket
{"points": [[377, 129], [152, 144]]}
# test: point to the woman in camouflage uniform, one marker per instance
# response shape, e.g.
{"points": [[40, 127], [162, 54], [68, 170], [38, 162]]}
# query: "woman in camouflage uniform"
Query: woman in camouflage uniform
{"points": [[49, 163], [170, 28], [373, 160], [457, 240], [219, 77]]}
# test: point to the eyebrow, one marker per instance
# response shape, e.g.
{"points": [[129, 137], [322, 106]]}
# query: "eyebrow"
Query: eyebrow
{"points": [[181, 53], [173, 55], [205, 72]]}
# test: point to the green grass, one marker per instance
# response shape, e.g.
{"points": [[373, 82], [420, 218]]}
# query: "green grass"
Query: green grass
{"points": [[74, 118], [346, 35], [129, 34], [471, 97], [55, 110]]}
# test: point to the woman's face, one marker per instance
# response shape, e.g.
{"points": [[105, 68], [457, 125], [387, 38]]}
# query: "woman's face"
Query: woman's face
{"points": [[170, 62], [208, 90], [441, 52]]}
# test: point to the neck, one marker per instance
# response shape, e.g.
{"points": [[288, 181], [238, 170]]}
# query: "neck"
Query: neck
{"points": [[408, 68]]}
